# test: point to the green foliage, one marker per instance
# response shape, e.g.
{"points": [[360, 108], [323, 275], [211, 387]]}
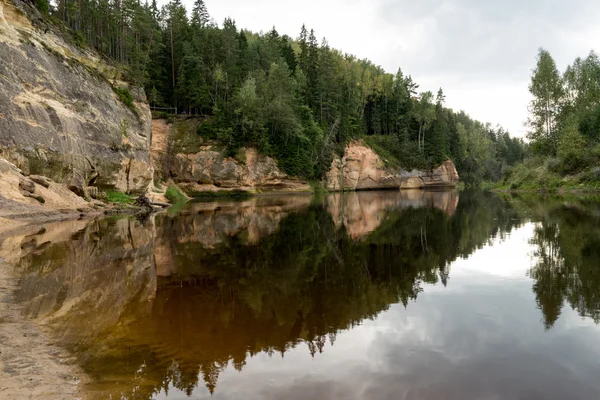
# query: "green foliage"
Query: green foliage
{"points": [[297, 100], [565, 123], [174, 195], [126, 97], [532, 175], [547, 90], [114, 196], [571, 151], [396, 154], [43, 6], [79, 39]]}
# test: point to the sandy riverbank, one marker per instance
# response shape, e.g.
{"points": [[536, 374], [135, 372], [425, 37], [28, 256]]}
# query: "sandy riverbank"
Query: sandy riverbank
{"points": [[31, 366]]}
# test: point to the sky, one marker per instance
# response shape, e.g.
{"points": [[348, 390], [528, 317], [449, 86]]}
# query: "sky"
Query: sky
{"points": [[480, 52]]}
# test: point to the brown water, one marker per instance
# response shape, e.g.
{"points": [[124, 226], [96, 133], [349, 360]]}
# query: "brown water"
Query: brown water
{"points": [[375, 295]]}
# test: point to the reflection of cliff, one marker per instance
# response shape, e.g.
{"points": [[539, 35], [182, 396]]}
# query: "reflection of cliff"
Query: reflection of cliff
{"points": [[78, 267], [362, 212], [301, 279], [210, 224]]}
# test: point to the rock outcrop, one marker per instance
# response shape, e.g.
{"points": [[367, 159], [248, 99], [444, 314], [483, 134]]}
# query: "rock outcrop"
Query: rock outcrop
{"points": [[205, 168], [21, 195], [209, 170], [444, 176], [362, 169], [58, 109]]}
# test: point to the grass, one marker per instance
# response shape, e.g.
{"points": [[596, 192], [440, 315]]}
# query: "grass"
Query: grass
{"points": [[175, 196], [114, 196], [537, 174], [318, 187]]}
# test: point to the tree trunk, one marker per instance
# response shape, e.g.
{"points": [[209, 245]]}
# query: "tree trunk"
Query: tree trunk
{"points": [[172, 57]]}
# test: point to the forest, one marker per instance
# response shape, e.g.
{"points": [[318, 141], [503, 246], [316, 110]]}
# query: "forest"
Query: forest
{"points": [[564, 127], [296, 99]]}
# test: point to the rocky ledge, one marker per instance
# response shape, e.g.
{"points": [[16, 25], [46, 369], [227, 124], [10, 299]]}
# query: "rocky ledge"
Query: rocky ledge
{"points": [[362, 169], [207, 168]]}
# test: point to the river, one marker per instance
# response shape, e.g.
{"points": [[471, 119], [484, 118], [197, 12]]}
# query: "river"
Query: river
{"points": [[371, 295]]}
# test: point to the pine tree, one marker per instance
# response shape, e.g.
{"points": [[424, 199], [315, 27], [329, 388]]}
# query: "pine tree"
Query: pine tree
{"points": [[200, 15]]}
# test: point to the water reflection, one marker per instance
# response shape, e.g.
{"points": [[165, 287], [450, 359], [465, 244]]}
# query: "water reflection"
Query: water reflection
{"points": [[150, 307], [568, 259]]}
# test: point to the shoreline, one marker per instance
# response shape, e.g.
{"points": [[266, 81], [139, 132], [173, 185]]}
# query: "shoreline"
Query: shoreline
{"points": [[31, 365], [545, 191]]}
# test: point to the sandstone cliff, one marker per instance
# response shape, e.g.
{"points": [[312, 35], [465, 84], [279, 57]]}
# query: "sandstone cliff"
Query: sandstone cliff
{"points": [[58, 109], [362, 169]]}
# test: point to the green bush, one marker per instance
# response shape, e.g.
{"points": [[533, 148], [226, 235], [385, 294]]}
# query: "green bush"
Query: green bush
{"points": [[395, 153], [572, 152], [79, 39], [126, 97], [174, 195], [43, 6], [591, 175], [114, 196]]}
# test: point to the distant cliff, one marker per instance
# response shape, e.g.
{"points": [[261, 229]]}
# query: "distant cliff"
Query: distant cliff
{"points": [[199, 165], [362, 169]]}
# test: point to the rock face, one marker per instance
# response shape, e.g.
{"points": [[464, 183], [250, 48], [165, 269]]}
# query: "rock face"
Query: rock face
{"points": [[58, 109], [443, 176], [209, 170], [20, 195], [362, 169], [76, 184]]}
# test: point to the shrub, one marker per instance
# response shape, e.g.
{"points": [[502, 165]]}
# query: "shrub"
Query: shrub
{"points": [[126, 97], [79, 39], [114, 196], [174, 195], [591, 175], [572, 151], [396, 153], [43, 6]]}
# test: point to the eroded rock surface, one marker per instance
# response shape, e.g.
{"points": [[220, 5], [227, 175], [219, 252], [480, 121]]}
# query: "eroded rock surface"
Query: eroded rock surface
{"points": [[58, 109], [20, 195], [362, 169]]}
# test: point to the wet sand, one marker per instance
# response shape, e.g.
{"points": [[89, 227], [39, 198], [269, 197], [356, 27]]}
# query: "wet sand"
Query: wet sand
{"points": [[31, 367]]}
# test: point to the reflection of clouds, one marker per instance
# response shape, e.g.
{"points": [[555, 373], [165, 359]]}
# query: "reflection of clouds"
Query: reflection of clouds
{"points": [[504, 258], [480, 338]]}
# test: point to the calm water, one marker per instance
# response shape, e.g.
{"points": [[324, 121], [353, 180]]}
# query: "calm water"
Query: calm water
{"points": [[375, 295]]}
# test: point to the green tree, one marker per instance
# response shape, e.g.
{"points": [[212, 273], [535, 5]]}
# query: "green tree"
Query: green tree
{"points": [[200, 15], [547, 91]]}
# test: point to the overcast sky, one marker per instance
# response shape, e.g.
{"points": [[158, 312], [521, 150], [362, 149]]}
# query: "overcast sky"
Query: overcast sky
{"points": [[480, 52]]}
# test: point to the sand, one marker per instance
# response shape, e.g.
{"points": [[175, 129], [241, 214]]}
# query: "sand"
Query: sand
{"points": [[31, 367]]}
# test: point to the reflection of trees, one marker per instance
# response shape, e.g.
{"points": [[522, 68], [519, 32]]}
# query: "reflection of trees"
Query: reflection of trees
{"points": [[568, 261], [302, 283], [305, 282]]}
